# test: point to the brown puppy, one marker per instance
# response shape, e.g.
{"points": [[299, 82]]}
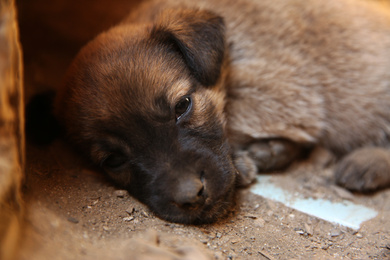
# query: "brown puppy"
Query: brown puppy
{"points": [[171, 102]]}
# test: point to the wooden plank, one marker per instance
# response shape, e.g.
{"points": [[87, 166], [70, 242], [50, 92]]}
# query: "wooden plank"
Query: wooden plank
{"points": [[11, 131]]}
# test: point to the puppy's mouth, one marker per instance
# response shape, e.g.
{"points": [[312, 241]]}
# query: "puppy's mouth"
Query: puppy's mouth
{"points": [[193, 207], [205, 211]]}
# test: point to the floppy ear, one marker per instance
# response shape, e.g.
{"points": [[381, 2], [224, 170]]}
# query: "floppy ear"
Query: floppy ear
{"points": [[199, 36]]}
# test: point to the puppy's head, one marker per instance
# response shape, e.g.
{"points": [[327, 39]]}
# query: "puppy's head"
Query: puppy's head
{"points": [[145, 102]]}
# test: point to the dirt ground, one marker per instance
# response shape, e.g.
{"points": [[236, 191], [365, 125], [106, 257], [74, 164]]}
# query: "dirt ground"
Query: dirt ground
{"points": [[73, 212]]}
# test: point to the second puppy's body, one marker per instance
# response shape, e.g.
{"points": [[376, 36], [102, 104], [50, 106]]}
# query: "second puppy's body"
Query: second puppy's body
{"points": [[313, 72], [246, 93], [310, 71]]}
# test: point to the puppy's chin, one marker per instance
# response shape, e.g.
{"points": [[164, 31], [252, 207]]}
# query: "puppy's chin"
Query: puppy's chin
{"points": [[211, 211]]}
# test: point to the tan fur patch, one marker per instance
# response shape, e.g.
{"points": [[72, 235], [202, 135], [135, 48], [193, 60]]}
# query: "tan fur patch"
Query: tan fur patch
{"points": [[179, 89]]}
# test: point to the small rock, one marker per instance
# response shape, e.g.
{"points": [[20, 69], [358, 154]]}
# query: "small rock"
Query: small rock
{"points": [[358, 235], [218, 235], [251, 216], [127, 219], [301, 232], [130, 210], [105, 228], [204, 241], [211, 235], [205, 230], [73, 220], [270, 213], [259, 222], [120, 193], [308, 229], [335, 232], [325, 247]]}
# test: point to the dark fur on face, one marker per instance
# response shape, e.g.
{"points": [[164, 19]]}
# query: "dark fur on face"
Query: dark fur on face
{"points": [[146, 104]]}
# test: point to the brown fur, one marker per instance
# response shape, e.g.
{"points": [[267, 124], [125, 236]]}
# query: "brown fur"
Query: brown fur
{"points": [[273, 76]]}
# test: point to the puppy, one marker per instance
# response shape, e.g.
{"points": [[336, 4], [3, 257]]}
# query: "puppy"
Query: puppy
{"points": [[185, 100]]}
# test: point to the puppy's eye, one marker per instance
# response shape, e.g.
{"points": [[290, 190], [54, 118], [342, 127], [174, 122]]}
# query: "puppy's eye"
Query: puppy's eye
{"points": [[183, 107], [114, 161]]}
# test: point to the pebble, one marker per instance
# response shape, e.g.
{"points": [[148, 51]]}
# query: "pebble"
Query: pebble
{"points": [[259, 222], [308, 229], [204, 241], [128, 219], [218, 235], [120, 193], [325, 247], [335, 232], [251, 216], [73, 220], [205, 230], [130, 210], [358, 235], [105, 228]]}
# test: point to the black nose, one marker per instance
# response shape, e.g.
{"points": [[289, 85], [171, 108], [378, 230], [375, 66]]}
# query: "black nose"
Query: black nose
{"points": [[190, 193]]}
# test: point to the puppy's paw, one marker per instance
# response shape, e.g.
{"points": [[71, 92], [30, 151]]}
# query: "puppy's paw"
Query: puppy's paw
{"points": [[274, 154], [246, 167], [366, 169]]}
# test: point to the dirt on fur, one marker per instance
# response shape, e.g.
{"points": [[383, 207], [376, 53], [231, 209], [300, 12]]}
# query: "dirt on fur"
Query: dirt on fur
{"points": [[73, 212]]}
